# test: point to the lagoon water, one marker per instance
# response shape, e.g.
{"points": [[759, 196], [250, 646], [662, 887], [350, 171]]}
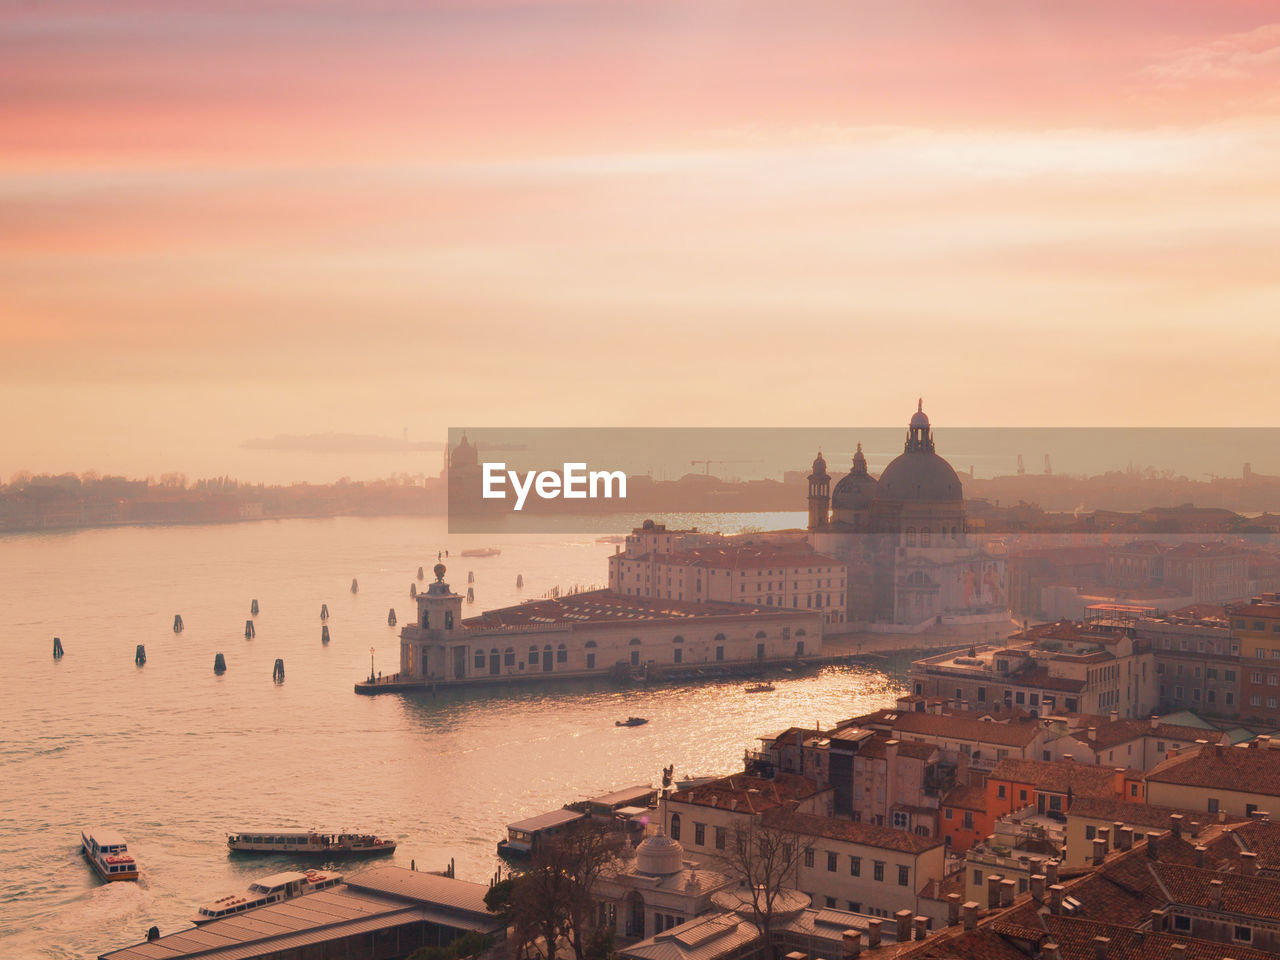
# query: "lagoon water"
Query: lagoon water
{"points": [[175, 757]]}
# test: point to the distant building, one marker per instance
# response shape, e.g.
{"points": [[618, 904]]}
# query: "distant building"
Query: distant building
{"points": [[904, 537], [1255, 627], [593, 633], [1197, 659]]}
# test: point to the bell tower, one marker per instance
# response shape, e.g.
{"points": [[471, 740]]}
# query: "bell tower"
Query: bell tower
{"points": [[819, 494], [425, 647]]}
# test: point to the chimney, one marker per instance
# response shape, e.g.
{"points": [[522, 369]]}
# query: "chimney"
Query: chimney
{"points": [[953, 909], [971, 914], [1124, 838], [1157, 920], [852, 944], [1068, 757], [1051, 872], [1104, 834], [1100, 947], [904, 925], [1099, 851], [1195, 828], [1155, 721], [1115, 716], [1050, 951], [1153, 846], [1175, 824], [993, 890], [1201, 851], [873, 933], [1037, 887], [1215, 894], [1179, 949], [1008, 888], [1248, 864], [922, 927], [1056, 893], [1093, 734]]}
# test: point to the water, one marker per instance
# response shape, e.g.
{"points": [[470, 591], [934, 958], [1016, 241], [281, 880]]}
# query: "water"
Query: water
{"points": [[175, 757]]}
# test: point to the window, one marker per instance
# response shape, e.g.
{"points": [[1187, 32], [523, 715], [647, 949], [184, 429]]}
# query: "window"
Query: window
{"points": [[675, 826], [1243, 934], [591, 661], [977, 876], [1213, 804], [900, 819], [1181, 922], [1000, 791], [831, 902], [1022, 796], [877, 870], [1090, 832], [968, 819], [947, 814], [700, 834], [721, 837], [509, 657], [808, 857], [479, 659], [904, 876], [855, 866], [832, 860], [562, 654]]}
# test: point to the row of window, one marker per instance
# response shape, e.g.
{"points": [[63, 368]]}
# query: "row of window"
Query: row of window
{"points": [[855, 866]]}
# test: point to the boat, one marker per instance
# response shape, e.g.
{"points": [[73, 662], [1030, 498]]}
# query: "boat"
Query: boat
{"points": [[761, 688], [308, 842], [631, 722], [481, 552], [272, 889], [107, 851]]}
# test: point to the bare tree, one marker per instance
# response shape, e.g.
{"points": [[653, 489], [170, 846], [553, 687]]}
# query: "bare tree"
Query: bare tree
{"points": [[553, 901], [764, 857]]}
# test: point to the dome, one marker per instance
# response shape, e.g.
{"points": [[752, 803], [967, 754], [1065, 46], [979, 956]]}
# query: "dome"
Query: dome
{"points": [[854, 492], [919, 473], [464, 454], [819, 466], [659, 856]]}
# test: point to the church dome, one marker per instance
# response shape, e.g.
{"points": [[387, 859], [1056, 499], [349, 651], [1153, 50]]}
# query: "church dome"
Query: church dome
{"points": [[919, 473], [659, 856], [819, 466], [854, 491], [464, 454]]}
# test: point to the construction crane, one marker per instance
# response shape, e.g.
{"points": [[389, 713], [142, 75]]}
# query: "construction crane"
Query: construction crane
{"points": [[707, 464]]}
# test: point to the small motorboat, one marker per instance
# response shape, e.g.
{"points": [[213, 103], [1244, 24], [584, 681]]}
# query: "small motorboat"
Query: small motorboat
{"points": [[761, 688], [631, 722]]}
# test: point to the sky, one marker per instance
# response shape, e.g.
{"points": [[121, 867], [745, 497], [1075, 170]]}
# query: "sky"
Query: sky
{"points": [[221, 221]]}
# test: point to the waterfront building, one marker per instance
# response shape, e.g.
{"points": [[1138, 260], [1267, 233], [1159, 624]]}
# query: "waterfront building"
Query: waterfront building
{"points": [[384, 913], [1197, 572], [704, 817], [1255, 628], [912, 561], [593, 633], [1093, 667], [701, 569]]}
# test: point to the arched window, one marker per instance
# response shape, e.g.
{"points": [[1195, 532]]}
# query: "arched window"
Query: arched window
{"points": [[800, 632], [911, 536], [677, 639], [509, 657], [533, 654], [591, 644], [924, 536], [635, 642], [562, 654], [675, 826], [720, 638], [761, 635]]}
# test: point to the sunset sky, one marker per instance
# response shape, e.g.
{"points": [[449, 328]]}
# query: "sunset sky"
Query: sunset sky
{"points": [[229, 220]]}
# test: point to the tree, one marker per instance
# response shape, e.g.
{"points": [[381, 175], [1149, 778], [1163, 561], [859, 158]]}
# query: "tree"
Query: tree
{"points": [[764, 857], [552, 901]]}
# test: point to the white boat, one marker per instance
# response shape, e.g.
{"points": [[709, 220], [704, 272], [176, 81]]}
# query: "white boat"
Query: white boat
{"points": [[308, 842], [482, 552], [272, 889], [107, 851]]}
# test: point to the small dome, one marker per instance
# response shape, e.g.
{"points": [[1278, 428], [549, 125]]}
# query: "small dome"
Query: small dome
{"points": [[438, 570], [859, 461], [819, 465], [659, 856], [464, 454], [920, 418]]}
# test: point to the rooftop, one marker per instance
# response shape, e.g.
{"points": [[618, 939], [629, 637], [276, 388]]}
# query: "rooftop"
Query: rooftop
{"points": [[749, 794], [605, 606], [1244, 769], [865, 834], [1059, 776]]}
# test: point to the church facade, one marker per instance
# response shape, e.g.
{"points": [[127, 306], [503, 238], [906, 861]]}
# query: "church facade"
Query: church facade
{"points": [[912, 560]]}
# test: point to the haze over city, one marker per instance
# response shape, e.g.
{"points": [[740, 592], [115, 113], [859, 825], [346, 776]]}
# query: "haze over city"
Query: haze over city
{"points": [[229, 222]]}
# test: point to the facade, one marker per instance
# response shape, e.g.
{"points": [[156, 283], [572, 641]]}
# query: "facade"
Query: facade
{"points": [[791, 576], [1255, 627], [1203, 572], [593, 633], [1197, 660], [903, 534], [703, 818]]}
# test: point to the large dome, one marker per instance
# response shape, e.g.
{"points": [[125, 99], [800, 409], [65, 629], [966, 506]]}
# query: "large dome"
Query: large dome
{"points": [[919, 473]]}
